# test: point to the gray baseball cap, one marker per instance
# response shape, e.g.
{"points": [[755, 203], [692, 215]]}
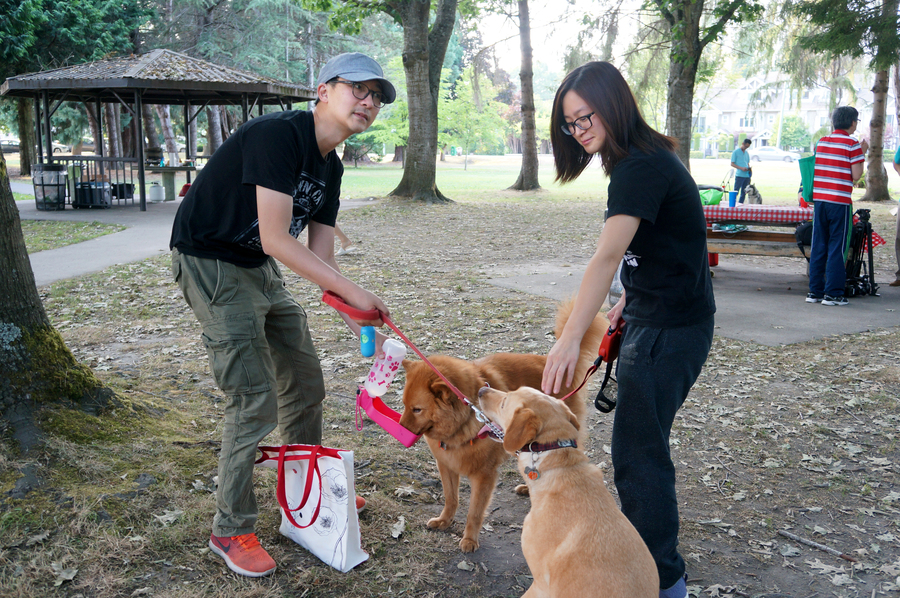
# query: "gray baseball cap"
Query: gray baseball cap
{"points": [[357, 67]]}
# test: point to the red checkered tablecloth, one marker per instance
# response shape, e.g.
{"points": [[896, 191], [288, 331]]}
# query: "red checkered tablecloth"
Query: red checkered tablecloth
{"points": [[758, 214], [768, 215]]}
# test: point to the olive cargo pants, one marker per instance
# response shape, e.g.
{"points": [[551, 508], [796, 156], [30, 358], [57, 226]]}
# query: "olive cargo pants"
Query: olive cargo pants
{"points": [[262, 357]]}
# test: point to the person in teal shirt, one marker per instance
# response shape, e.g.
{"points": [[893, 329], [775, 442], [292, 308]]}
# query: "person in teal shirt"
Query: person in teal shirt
{"points": [[740, 161]]}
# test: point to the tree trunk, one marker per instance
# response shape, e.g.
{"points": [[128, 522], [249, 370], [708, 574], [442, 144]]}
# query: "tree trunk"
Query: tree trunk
{"points": [[423, 56], [128, 150], [896, 75], [192, 132], [27, 139], [680, 100], [528, 175], [399, 151], [113, 130], [165, 121], [213, 130], [90, 108], [39, 369], [688, 41], [228, 121], [355, 155], [150, 126], [876, 175]]}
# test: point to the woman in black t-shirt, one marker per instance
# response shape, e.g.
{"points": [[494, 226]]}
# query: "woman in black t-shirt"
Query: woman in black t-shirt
{"points": [[655, 222]]}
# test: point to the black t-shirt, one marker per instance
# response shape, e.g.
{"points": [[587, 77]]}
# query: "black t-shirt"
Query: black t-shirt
{"points": [[666, 271], [218, 218]]}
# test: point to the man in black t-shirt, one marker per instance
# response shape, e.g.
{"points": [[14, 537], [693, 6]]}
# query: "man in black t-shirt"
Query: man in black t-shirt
{"points": [[274, 177]]}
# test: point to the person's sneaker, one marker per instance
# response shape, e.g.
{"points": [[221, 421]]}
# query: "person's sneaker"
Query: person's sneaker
{"points": [[810, 298], [829, 300], [243, 554], [360, 504], [679, 590]]}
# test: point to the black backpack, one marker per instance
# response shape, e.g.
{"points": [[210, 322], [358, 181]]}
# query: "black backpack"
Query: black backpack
{"points": [[803, 235]]}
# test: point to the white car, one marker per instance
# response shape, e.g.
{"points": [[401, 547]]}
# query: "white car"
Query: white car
{"points": [[768, 152], [9, 144]]}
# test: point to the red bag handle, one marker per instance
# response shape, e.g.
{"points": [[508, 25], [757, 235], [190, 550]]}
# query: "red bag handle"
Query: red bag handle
{"points": [[315, 451], [307, 489]]}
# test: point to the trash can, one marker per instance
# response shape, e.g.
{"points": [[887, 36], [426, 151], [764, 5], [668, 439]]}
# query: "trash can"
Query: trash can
{"points": [[49, 186], [123, 190], [94, 194]]}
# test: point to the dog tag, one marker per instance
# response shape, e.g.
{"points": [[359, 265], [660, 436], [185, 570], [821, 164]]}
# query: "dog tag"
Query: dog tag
{"points": [[532, 473]]}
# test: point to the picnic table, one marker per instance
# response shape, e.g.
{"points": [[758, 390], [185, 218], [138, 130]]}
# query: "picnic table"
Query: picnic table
{"points": [[747, 240]]}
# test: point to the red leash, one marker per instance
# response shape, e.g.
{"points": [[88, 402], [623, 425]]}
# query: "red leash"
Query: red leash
{"points": [[339, 304], [608, 352]]}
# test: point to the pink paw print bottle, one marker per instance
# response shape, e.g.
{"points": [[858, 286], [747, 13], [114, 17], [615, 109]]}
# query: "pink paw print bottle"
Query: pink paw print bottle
{"points": [[385, 368]]}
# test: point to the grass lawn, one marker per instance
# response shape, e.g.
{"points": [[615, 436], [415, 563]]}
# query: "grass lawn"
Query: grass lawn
{"points": [[487, 177], [41, 235]]}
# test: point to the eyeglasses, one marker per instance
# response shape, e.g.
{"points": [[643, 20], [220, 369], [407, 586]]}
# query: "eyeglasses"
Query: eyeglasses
{"points": [[582, 122], [361, 92]]}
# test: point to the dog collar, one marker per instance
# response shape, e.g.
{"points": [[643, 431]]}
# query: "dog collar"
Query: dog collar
{"points": [[445, 446], [534, 447]]}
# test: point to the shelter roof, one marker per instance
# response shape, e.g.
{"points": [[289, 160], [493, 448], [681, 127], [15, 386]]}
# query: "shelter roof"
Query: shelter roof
{"points": [[161, 77]]}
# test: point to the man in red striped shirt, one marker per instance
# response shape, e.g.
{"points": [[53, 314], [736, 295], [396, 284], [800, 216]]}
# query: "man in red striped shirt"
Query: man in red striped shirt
{"points": [[839, 163]]}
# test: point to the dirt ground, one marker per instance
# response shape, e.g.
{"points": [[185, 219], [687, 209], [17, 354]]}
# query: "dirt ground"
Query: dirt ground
{"points": [[800, 439]]}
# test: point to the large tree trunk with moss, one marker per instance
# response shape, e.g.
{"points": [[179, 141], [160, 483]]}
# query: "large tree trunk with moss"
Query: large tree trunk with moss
{"points": [[37, 367], [423, 56], [528, 175]]}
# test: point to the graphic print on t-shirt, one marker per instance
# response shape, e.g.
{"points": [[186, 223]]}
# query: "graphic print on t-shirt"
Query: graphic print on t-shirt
{"points": [[309, 195], [631, 259]]}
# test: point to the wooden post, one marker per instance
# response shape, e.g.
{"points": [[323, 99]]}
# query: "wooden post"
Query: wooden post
{"points": [[142, 187], [37, 129]]}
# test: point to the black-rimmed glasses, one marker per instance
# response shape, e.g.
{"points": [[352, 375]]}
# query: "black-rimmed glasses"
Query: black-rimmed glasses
{"points": [[361, 91], [582, 122]]}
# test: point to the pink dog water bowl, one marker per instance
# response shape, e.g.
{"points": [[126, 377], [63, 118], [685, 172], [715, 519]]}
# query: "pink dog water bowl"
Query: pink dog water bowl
{"points": [[385, 417]]}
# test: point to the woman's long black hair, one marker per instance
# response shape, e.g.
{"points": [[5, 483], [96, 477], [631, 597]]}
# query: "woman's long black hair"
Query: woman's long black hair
{"points": [[602, 86]]}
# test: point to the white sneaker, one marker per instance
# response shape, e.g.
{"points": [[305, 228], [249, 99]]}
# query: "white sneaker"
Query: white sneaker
{"points": [[346, 250]]}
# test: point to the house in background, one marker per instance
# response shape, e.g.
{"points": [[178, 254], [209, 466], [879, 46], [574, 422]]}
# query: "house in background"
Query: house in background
{"points": [[724, 117]]}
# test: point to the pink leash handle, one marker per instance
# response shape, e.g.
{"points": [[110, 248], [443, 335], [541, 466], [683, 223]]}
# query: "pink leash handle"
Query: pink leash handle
{"points": [[337, 302]]}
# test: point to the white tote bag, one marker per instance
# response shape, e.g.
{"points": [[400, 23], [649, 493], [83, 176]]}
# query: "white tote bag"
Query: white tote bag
{"points": [[318, 501]]}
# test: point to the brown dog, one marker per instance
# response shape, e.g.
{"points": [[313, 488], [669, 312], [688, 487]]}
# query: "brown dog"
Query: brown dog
{"points": [[450, 426], [575, 539]]}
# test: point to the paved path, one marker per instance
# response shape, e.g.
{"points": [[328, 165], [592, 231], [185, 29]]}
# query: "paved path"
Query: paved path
{"points": [[763, 305], [147, 235]]}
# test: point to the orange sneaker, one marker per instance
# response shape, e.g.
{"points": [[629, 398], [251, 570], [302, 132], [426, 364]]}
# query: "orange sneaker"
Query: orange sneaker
{"points": [[360, 504], [243, 554]]}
